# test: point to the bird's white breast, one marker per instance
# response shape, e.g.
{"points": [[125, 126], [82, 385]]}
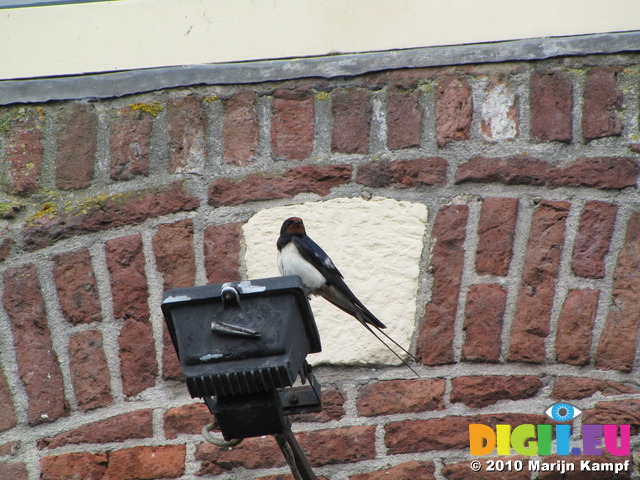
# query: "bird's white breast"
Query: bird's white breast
{"points": [[290, 262]]}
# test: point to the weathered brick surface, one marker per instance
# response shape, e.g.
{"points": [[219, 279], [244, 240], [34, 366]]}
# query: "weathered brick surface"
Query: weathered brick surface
{"points": [[173, 249], [23, 155], [575, 327], [602, 103], [533, 308], [89, 370], [76, 286], [138, 365], [551, 105], [339, 445], [403, 173], [146, 463], [596, 172], [484, 317], [616, 412], [258, 452], [25, 307], [593, 238], [130, 143], [351, 111], [617, 345], [400, 396], [240, 129], [499, 112], [5, 248], [14, 471], [404, 118], [77, 144], [186, 419], [462, 470], [120, 428], [332, 408], [405, 471], [222, 252], [318, 179], [105, 212], [496, 231], [87, 466], [435, 341], [480, 391], [292, 124], [576, 388], [454, 110], [187, 135], [7, 409]]}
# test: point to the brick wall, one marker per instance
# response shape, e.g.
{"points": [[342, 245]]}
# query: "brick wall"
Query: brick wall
{"points": [[529, 292]]}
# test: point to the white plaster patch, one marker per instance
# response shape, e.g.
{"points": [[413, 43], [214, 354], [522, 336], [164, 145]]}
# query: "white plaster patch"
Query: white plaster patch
{"points": [[496, 114], [376, 244]]}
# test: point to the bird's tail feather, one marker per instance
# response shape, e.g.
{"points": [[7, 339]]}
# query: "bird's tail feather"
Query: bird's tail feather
{"points": [[366, 325]]}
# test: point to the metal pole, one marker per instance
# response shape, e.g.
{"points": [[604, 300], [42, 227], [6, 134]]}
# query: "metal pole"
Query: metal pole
{"points": [[294, 455]]}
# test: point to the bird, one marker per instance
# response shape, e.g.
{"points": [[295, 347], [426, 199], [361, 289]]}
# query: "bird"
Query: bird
{"points": [[299, 255]]}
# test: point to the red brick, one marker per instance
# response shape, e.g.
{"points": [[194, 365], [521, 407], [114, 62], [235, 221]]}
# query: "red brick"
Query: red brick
{"points": [[107, 212], [617, 412], [222, 252], [602, 102], [138, 424], [76, 286], [240, 128], [292, 124], [496, 231], [593, 238], [400, 396], [173, 249], [74, 466], [551, 107], [338, 445], [617, 345], [257, 452], [89, 370], [576, 388], [146, 463], [77, 144], [483, 390], [597, 172], [462, 471], [435, 341], [7, 409], [533, 308], [332, 408], [187, 135], [14, 471], [10, 448], [351, 110], [23, 155], [403, 173], [5, 248], [171, 369], [138, 365], [187, 419], [447, 433], [575, 327], [129, 290], [130, 142], [499, 112], [286, 477], [25, 307], [318, 179], [454, 110], [404, 118], [405, 471], [484, 317]]}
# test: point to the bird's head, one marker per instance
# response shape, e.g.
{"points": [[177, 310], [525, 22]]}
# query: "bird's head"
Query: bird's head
{"points": [[293, 226]]}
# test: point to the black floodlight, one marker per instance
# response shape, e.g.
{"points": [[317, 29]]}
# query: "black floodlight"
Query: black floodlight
{"points": [[245, 343]]}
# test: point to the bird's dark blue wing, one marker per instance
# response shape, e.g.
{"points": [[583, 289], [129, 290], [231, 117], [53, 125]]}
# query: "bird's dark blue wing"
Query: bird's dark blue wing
{"points": [[317, 257]]}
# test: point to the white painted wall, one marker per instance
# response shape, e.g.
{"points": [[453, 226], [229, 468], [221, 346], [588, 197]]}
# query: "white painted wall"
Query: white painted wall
{"points": [[133, 34], [376, 244]]}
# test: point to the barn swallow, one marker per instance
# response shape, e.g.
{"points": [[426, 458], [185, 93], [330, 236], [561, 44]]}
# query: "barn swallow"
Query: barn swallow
{"points": [[299, 255]]}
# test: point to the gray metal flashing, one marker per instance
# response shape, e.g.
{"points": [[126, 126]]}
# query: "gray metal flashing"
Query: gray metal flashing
{"points": [[117, 84]]}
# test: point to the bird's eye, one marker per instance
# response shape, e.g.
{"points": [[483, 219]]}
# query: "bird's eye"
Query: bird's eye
{"points": [[562, 412]]}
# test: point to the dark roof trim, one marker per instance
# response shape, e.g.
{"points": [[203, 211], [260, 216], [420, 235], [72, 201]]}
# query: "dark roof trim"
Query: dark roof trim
{"points": [[117, 84]]}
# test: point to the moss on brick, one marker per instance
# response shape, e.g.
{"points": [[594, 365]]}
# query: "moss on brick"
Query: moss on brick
{"points": [[154, 108]]}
